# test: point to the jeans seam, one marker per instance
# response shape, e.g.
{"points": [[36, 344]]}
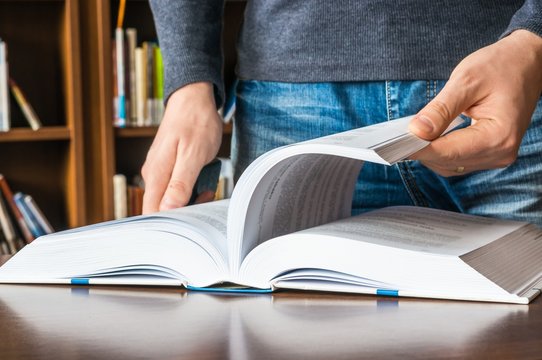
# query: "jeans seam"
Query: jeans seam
{"points": [[405, 171], [388, 99], [411, 185]]}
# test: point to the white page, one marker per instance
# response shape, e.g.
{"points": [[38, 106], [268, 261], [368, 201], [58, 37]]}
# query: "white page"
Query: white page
{"points": [[211, 217], [369, 137], [178, 243], [265, 174], [420, 229], [299, 193]]}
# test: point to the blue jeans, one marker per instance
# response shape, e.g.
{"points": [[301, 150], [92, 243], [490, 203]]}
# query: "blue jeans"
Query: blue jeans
{"points": [[272, 114]]}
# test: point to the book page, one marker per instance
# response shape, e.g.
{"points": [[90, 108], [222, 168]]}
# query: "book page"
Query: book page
{"points": [[210, 217], [310, 183], [420, 229], [369, 137], [298, 193], [182, 246]]}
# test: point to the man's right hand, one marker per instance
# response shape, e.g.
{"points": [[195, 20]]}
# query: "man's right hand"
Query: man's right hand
{"points": [[188, 138]]}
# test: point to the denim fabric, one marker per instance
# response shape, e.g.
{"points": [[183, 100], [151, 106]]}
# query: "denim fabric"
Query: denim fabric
{"points": [[271, 114]]}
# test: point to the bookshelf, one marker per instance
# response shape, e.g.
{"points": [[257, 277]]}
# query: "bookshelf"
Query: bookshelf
{"points": [[44, 59], [110, 150]]}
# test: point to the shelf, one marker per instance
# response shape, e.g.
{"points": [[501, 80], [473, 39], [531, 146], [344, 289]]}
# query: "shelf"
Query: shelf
{"points": [[136, 132], [48, 133]]}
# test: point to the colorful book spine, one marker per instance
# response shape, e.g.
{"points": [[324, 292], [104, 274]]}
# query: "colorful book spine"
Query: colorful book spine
{"points": [[120, 121], [29, 218], [8, 195], [37, 214], [158, 86]]}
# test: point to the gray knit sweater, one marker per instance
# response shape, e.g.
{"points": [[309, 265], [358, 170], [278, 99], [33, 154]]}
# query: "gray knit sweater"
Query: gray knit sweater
{"points": [[334, 40]]}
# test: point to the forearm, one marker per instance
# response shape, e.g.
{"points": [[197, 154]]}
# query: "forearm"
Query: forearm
{"points": [[189, 32]]}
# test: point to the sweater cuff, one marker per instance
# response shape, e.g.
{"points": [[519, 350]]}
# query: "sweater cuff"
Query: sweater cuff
{"points": [[528, 17]]}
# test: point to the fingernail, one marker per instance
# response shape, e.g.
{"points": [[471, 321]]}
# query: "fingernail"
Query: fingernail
{"points": [[424, 124], [168, 203]]}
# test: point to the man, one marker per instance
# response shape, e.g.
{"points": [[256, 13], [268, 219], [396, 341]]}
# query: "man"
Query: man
{"points": [[309, 68]]}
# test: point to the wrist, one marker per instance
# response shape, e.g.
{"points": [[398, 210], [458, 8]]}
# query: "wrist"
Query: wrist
{"points": [[529, 45], [200, 91]]}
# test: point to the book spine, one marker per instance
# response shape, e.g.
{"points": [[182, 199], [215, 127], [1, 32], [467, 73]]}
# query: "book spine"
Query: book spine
{"points": [[27, 215], [158, 85], [8, 195], [120, 196], [4, 94], [7, 228], [140, 86], [149, 119], [27, 109], [38, 214], [131, 39], [120, 121]]}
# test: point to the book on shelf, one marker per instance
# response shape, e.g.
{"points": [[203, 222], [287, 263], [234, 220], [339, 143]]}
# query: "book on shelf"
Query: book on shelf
{"points": [[8, 229], [288, 225], [119, 74], [5, 122], [21, 220], [32, 215], [131, 42], [8, 196], [138, 83], [27, 109], [127, 197]]}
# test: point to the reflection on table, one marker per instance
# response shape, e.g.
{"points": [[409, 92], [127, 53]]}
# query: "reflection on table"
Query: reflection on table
{"points": [[70, 322]]}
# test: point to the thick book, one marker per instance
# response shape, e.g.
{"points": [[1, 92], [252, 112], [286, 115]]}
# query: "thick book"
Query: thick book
{"points": [[288, 225]]}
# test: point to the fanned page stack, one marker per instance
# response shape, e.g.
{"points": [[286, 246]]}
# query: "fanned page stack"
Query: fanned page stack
{"points": [[288, 225]]}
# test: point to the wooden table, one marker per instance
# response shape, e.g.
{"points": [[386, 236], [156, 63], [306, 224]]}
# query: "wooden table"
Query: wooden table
{"points": [[60, 322]]}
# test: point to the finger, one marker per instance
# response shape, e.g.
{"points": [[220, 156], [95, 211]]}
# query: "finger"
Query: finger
{"points": [[205, 196], [181, 183], [434, 118], [463, 151], [156, 174]]}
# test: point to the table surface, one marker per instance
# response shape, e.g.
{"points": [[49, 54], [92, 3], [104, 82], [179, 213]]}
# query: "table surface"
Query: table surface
{"points": [[113, 322]]}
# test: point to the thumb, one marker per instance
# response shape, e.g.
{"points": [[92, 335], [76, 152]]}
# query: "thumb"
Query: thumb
{"points": [[435, 117]]}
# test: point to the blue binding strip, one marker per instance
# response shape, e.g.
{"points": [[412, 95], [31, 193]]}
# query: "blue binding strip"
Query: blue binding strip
{"points": [[387, 292], [229, 290], [79, 281]]}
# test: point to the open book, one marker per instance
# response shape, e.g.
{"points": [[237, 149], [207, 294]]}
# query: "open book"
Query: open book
{"points": [[288, 225]]}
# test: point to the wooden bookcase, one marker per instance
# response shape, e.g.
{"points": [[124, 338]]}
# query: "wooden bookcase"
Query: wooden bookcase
{"points": [[44, 59], [110, 150]]}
